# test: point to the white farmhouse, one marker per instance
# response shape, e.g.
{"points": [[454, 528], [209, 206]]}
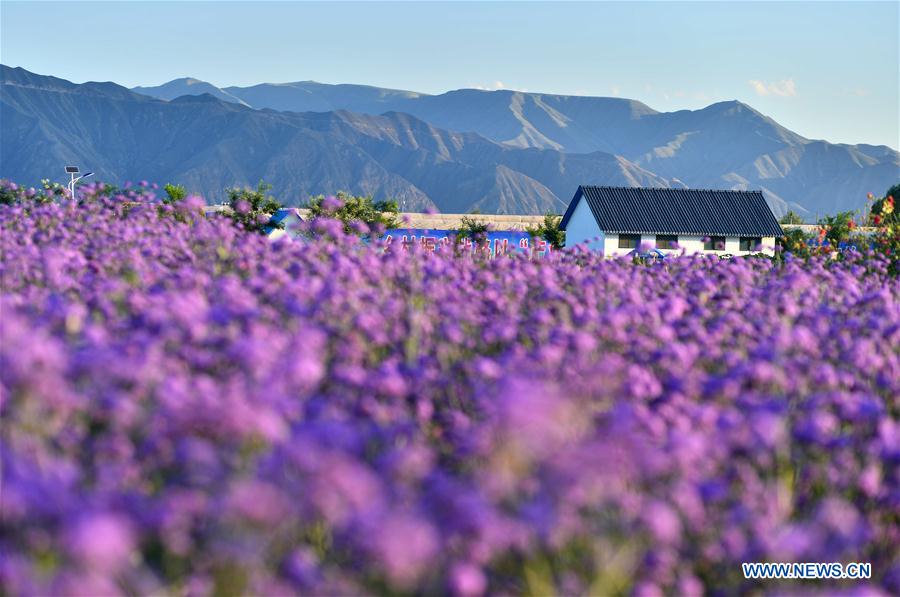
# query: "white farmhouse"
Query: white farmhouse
{"points": [[617, 220]]}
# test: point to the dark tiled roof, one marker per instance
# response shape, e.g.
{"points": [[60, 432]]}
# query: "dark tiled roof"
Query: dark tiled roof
{"points": [[677, 211]]}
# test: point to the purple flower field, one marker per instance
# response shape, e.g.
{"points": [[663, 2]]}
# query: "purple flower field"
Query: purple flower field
{"points": [[188, 408]]}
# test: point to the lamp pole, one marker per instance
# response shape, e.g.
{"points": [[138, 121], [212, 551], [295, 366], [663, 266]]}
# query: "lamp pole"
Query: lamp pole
{"points": [[72, 171]]}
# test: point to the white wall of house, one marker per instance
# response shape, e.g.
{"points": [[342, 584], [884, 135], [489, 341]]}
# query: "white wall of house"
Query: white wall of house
{"points": [[694, 244], [582, 228], [690, 244], [611, 246]]}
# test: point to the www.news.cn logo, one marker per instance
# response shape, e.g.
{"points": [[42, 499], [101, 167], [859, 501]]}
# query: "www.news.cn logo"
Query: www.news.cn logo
{"points": [[807, 570]]}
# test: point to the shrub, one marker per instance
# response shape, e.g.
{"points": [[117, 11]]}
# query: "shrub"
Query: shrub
{"points": [[474, 229], [361, 215], [885, 218], [174, 193], [251, 209], [549, 231], [884, 210], [836, 229], [12, 193], [796, 242]]}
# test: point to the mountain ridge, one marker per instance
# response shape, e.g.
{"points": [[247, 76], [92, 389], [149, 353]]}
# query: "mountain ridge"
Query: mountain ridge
{"points": [[208, 144], [508, 151], [719, 146]]}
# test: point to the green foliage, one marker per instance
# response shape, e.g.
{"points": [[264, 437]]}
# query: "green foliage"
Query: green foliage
{"points": [[883, 210], [11, 193], [795, 241], [360, 214], [836, 229], [474, 229], [549, 231], [174, 193], [887, 242], [791, 218], [887, 234], [51, 191], [251, 209]]}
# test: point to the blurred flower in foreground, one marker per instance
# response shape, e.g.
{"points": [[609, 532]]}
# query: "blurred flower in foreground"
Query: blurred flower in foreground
{"points": [[189, 408]]}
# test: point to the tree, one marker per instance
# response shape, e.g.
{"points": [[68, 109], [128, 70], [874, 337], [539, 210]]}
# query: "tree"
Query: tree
{"points": [[549, 231], [360, 214], [251, 209], [791, 218], [175, 193]]}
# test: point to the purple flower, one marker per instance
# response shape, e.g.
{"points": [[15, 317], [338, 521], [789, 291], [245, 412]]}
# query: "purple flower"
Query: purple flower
{"points": [[188, 407], [467, 580], [331, 204], [405, 545], [101, 542], [663, 523], [258, 502]]}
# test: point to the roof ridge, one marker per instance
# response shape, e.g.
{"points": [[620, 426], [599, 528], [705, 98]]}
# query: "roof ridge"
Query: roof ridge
{"points": [[601, 186]]}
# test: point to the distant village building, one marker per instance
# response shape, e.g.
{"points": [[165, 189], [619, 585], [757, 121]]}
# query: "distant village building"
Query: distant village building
{"points": [[617, 220], [285, 221]]}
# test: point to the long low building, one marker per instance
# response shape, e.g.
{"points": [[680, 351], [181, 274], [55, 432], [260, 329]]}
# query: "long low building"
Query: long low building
{"points": [[435, 221], [618, 220]]}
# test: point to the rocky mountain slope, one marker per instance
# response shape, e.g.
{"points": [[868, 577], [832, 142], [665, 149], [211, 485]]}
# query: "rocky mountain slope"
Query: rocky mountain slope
{"points": [[725, 145], [498, 152], [208, 144]]}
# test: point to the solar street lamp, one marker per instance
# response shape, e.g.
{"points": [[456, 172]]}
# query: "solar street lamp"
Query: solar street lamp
{"points": [[72, 171]]}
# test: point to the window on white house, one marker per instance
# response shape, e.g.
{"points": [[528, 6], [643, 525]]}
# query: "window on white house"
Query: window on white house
{"points": [[750, 243], [715, 243], [666, 241], [629, 241]]}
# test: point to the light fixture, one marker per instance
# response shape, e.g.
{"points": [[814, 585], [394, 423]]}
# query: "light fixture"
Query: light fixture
{"points": [[72, 171]]}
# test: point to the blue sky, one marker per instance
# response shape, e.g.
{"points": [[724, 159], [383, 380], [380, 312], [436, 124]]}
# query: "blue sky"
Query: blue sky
{"points": [[827, 70]]}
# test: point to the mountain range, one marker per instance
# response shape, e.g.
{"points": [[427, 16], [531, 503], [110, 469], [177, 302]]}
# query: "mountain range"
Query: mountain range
{"points": [[492, 151]]}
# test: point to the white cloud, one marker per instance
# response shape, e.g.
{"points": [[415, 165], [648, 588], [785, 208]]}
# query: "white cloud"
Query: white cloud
{"points": [[495, 86], [782, 88], [615, 90]]}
